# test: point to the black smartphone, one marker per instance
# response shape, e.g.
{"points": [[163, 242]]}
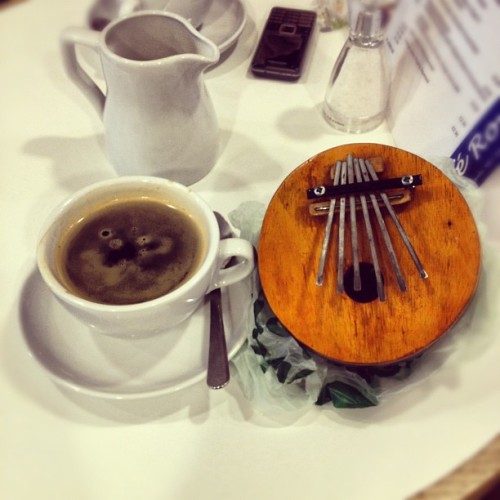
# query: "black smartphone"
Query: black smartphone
{"points": [[283, 44]]}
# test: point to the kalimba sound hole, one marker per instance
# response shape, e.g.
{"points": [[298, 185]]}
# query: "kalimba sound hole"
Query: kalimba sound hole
{"points": [[368, 290]]}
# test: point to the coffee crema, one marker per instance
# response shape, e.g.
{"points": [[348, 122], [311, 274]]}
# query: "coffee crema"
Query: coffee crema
{"points": [[130, 251]]}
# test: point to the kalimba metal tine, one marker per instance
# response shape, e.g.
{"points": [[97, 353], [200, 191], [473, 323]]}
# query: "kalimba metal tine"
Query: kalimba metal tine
{"points": [[328, 229], [354, 227], [369, 234], [340, 261], [397, 222], [383, 228]]}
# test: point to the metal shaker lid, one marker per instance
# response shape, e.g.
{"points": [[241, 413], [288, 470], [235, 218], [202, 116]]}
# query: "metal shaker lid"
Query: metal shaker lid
{"points": [[368, 20]]}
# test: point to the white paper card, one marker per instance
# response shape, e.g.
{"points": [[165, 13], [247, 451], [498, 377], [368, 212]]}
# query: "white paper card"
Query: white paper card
{"points": [[444, 58]]}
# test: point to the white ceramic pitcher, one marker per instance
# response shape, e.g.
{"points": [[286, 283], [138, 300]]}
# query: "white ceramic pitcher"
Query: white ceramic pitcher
{"points": [[158, 117]]}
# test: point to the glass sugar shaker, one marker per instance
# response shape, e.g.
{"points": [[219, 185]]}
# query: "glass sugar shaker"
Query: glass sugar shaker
{"points": [[357, 94]]}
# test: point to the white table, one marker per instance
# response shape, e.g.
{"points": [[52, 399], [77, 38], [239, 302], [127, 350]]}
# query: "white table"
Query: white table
{"points": [[195, 443]]}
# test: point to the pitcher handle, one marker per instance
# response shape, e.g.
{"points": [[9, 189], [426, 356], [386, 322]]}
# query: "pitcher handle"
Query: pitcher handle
{"points": [[70, 38]]}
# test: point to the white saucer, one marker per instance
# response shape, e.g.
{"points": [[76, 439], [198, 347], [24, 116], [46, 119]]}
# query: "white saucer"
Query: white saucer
{"points": [[224, 23], [108, 367]]}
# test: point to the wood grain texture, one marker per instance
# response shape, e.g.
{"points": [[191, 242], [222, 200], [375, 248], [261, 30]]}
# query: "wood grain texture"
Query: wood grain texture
{"points": [[441, 228], [476, 479]]}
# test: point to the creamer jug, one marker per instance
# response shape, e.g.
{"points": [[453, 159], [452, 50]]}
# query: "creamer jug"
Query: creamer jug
{"points": [[158, 117]]}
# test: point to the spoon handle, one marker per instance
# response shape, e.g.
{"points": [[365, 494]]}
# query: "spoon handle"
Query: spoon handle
{"points": [[218, 363]]}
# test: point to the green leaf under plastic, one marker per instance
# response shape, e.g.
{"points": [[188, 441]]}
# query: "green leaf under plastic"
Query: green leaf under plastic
{"points": [[344, 395]]}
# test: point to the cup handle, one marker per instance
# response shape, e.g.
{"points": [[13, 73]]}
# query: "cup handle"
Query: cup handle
{"points": [[70, 38], [243, 251]]}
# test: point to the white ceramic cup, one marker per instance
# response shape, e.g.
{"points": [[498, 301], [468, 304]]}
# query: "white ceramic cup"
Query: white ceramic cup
{"points": [[167, 311]]}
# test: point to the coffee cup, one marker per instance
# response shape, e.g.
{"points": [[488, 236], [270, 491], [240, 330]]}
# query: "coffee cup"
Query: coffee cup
{"points": [[135, 256]]}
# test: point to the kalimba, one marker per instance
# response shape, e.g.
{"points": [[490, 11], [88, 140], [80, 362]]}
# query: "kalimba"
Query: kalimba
{"points": [[368, 254]]}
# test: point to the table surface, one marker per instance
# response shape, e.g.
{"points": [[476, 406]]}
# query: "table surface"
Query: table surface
{"points": [[56, 444]]}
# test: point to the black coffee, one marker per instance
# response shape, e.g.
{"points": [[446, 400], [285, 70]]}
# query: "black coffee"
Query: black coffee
{"points": [[130, 252]]}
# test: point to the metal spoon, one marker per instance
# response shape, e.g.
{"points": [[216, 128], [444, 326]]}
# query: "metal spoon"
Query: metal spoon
{"points": [[218, 362]]}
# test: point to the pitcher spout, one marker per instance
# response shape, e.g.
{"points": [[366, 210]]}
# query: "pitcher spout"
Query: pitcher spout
{"points": [[207, 51]]}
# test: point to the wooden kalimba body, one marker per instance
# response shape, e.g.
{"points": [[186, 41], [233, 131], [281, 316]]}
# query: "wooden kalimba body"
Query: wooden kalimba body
{"points": [[368, 276]]}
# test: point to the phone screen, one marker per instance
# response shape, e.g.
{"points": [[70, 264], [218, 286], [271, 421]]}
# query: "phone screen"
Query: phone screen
{"points": [[279, 50]]}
